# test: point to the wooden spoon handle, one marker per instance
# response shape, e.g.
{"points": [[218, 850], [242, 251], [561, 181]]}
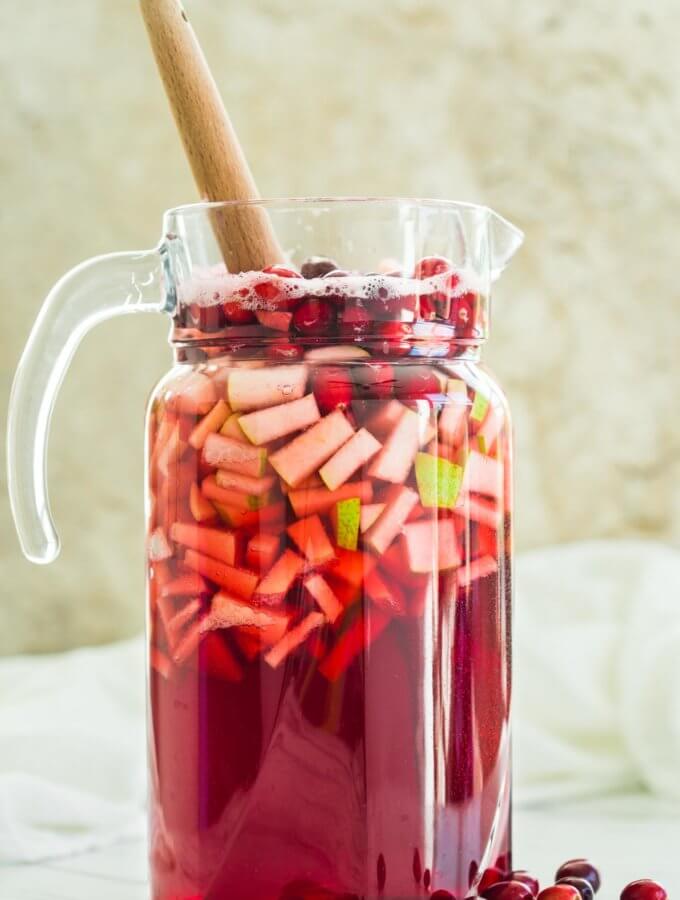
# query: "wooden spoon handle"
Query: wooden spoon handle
{"points": [[245, 234]]}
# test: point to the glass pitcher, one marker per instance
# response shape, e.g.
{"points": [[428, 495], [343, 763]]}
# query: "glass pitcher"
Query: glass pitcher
{"points": [[328, 489]]}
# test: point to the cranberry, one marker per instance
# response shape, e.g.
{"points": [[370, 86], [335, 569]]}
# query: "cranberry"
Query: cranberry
{"points": [[314, 317], [373, 381], [395, 338], [526, 878], [584, 887], [284, 350], [580, 868], [644, 890], [332, 386], [508, 890], [426, 879], [442, 895], [237, 314], [317, 267], [492, 875], [355, 322], [463, 314], [282, 271], [415, 383], [559, 892], [417, 867], [431, 265]]}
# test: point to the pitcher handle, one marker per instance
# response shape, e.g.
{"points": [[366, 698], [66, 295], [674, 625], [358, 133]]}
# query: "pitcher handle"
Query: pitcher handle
{"points": [[96, 290]]}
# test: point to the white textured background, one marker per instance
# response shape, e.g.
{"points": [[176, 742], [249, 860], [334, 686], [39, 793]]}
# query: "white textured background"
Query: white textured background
{"points": [[564, 117]]}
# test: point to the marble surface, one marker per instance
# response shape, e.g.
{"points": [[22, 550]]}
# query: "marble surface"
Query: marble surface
{"points": [[624, 847], [564, 118]]}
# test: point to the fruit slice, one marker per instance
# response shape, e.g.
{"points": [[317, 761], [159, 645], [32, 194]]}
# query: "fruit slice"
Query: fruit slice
{"points": [[387, 417], [189, 585], [256, 388], [452, 419], [361, 447], [438, 481], [217, 660], [230, 612], [394, 461], [224, 452], [477, 509], [490, 430], [483, 475], [245, 484], [386, 596], [346, 516], [275, 422], [363, 631], [278, 320], [351, 566], [255, 638], [201, 508], [240, 581], [211, 422], [189, 643], [215, 542], [431, 546], [233, 498], [310, 450], [331, 354], [182, 617], [262, 551], [195, 394], [293, 639], [476, 568], [311, 539], [305, 502], [232, 429], [160, 662], [323, 594], [280, 578], [369, 514], [271, 517], [385, 529], [172, 451], [480, 408], [158, 546]]}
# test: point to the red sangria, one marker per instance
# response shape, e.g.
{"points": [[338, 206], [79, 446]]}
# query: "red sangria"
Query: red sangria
{"points": [[329, 549]]}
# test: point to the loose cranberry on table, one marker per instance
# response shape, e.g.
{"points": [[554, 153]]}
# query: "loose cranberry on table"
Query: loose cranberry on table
{"points": [[584, 887], [526, 878], [580, 868], [332, 386], [644, 890], [314, 317], [559, 892], [508, 890], [491, 876]]}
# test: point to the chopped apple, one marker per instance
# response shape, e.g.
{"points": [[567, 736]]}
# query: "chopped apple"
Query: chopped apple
{"points": [[394, 461], [215, 542], [310, 450], [231, 612], [431, 545], [453, 417], [346, 516], [190, 584], [223, 452], [254, 389], [262, 551], [292, 639], [477, 509], [369, 513], [211, 422], [232, 498], [306, 501], [265, 425], [361, 447], [476, 568], [390, 522], [195, 394], [386, 417], [483, 475], [386, 596], [311, 539], [480, 408], [352, 565], [201, 508], [158, 545], [324, 596], [280, 578], [438, 481], [245, 484], [232, 429], [239, 581]]}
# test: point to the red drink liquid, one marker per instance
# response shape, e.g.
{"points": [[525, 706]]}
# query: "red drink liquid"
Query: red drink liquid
{"points": [[328, 722]]}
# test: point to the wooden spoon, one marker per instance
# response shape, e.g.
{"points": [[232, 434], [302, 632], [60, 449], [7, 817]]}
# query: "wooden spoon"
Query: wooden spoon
{"points": [[220, 169]]}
